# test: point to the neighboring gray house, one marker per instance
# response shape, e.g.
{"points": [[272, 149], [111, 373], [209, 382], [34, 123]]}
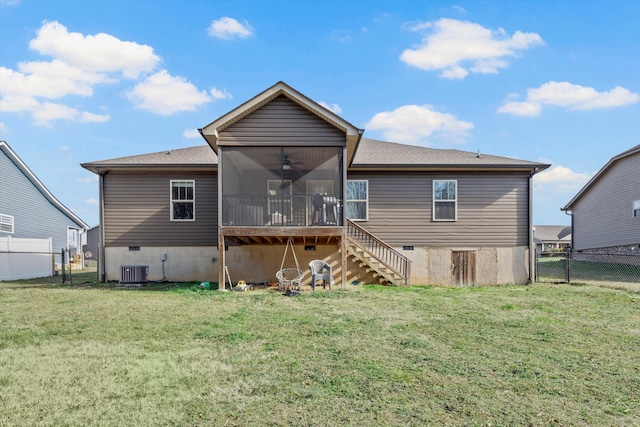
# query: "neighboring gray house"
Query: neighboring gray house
{"points": [[282, 166], [605, 214], [551, 237], [90, 248], [28, 209]]}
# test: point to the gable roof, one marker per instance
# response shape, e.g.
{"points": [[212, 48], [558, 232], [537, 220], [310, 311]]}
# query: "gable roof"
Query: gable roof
{"points": [[4, 147], [196, 158], [552, 233], [373, 154], [601, 172], [211, 131]]}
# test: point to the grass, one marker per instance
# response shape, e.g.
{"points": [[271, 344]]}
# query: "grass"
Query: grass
{"points": [[173, 354]]}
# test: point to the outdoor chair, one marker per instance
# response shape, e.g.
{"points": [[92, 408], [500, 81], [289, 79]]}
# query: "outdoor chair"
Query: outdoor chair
{"points": [[318, 268], [289, 278]]}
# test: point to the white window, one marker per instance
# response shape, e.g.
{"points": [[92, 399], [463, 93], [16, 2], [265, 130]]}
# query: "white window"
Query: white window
{"points": [[445, 200], [183, 200], [6, 223], [636, 208], [358, 200]]}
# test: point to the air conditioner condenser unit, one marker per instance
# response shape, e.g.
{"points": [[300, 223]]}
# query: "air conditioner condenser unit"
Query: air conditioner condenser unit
{"points": [[133, 274]]}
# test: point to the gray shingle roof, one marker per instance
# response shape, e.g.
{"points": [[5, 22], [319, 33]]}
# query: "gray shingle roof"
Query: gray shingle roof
{"points": [[200, 156], [380, 154], [552, 233], [371, 154]]}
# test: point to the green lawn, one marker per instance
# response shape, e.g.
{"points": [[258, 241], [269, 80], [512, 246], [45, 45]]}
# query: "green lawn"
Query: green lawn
{"points": [[175, 355]]}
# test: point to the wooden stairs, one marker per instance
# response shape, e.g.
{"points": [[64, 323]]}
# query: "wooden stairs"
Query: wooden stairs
{"points": [[386, 264]]}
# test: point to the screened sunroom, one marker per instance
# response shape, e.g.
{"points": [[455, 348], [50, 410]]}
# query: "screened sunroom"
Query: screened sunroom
{"points": [[281, 186]]}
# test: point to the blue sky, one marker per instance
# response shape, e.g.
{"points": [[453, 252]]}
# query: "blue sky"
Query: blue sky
{"points": [[552, 81]]}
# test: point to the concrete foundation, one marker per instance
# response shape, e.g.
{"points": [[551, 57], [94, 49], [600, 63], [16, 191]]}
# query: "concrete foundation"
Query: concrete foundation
{"points": [[260, 263]]}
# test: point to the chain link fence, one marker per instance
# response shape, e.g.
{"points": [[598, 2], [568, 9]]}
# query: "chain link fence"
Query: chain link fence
{"points": [[606, 269], [39, 267]]}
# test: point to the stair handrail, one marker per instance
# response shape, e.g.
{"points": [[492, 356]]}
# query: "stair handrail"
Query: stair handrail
{"points": [[376, 247]]}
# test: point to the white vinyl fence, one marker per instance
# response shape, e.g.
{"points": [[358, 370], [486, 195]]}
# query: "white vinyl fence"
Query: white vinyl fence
{"points": [[25, 258]]}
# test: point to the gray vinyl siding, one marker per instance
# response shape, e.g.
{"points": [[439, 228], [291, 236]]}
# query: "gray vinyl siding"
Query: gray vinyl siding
{"points": [[35, 217], [137, 211], [603, 216], [282, 122], [492, 209]]}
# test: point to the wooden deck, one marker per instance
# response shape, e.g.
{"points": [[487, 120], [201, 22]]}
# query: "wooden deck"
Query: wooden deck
{"points": [[325, 235]]}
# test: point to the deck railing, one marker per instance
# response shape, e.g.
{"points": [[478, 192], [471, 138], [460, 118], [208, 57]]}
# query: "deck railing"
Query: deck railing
{"points": [[384, 253], [281, 210]]}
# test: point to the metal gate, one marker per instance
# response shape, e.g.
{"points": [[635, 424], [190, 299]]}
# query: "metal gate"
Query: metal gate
{"points": [[552, 267]]}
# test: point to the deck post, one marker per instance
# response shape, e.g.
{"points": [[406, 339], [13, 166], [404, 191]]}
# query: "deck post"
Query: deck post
{"points": [[223, 260], [343, 259]]}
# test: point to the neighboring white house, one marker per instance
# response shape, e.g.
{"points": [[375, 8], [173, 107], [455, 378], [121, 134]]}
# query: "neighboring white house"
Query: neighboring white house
{"points": [[551, 237]]}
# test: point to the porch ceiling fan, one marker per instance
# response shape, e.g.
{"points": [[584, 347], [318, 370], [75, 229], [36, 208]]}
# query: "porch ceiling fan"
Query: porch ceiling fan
{"points": [[286, 163]]}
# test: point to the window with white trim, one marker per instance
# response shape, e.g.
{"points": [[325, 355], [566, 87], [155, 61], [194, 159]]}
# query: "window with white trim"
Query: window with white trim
{"points": [[183, 200], [636, 208], [6, 223], [445, 200], [358, 200]]}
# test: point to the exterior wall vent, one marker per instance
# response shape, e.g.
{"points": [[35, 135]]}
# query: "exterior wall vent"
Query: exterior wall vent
{"points": [[133, 274]]}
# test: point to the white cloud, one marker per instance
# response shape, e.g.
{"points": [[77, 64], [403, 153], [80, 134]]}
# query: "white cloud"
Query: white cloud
{"points": [[567, 95], [50, 80], [228, 28], [16, 103], [50, 111], [92, 201], [420, 125], [86, 117], [220, 94], [164, 94], [79, 64], [457, 47], [191, 133], [101, 52], [459, 8], [560, 179], [43, 113], [331, 107], [521, 108], [577, 97], [64, 148], [3, 128], [89, 179]]}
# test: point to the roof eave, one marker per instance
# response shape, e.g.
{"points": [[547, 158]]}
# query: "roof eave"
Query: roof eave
{"points": [[633, 150], [535, 168], [106, 167]]}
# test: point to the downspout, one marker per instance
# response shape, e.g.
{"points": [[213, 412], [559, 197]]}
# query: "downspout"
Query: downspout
{"points": [[101, 251], [530, 231]]}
